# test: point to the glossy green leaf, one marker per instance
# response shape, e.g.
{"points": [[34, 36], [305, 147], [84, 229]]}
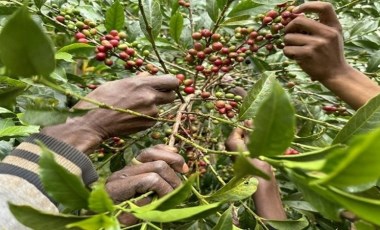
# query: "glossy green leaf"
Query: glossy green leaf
{"points": [[243, 167], [236, 189], [64, 56], [39, 3], [152, 12], [176, 26], [274, 124], [362, 225], [77, 48], [18, 131], [346, 169], [366, 119], [99, 200], [183, 214], [170, 200], [255, 97], [225, 221], [115, 17], [100, 221], [244, 7], [374, 62], [49, 116], [299, 224], [4, 110], [316, 196], [238, 21], [26, 57], [9, 90], [367, 209], [60, 184], [212, 9], [38, 220]]}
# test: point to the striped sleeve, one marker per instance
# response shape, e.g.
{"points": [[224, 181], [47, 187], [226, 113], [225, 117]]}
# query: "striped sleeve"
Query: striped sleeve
{"points": [[23, 161]]}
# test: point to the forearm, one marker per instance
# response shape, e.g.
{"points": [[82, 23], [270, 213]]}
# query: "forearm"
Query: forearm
{"points": [[353, 87]]}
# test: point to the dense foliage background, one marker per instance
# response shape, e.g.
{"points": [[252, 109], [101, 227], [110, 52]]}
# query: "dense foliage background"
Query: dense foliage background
{"points": [[63, 53]]}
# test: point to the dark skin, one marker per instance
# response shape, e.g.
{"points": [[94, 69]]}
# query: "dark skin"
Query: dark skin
{"points": [[317, 46], [157, 166]]}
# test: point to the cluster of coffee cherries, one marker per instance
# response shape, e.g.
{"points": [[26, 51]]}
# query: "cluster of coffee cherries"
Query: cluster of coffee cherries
{"points": [[194, 163], [184, 3], [337, 110], [226, 172]]}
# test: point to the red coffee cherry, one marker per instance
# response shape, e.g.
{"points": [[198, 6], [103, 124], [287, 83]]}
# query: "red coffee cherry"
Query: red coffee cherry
{"points": [[272, 13], [198, 46], [181, 77], [114, 33], [267, 20], [123, 55], [83, 40], [216, 37], [220, 104], [217, 46], [101, 56], [206, 33], [60, 18], [205, 95], [189, 90], [196, 36], [139, 62], [79, 35], [108, 62]]}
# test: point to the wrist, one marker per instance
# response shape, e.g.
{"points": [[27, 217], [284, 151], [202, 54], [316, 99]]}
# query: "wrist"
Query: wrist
{"points": [[76, 133]]}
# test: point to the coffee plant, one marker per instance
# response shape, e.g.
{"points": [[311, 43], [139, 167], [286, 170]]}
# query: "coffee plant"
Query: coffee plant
{"points": [[325, 155]]}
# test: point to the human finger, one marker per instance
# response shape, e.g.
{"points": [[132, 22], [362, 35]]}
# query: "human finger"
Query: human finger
{"points": [[163, 82], [306, 26], [296, 39], [158, 167], [325, 10], [126, 188], [297, 52], [235, 141], [164, 153], [165, 97]]}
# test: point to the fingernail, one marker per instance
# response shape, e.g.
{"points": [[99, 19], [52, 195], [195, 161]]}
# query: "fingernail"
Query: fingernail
{"points": [[185, 168]]}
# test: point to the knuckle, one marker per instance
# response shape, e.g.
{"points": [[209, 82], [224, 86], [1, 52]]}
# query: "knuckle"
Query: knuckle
{"points": [[160, 166], [152, 178]]}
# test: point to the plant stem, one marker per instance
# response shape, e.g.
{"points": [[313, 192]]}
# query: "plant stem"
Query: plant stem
{"points": [[151, 39], [177, 123], [97, 103], [320, 122], [210, 151], [348, 5]]}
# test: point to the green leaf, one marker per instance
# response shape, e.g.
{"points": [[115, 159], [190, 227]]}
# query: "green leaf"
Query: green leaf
{"points": [[366, 119], [374, 62], [18, 131], [176, 26], [365, 208], [244, 8], [49, 116], [4, 111], [316, 196], [28, 50], [212, 10], [299, 224], [236, 189], [9, 90], [345, 169], [153, 18], [255, 97], [115, 17], [183, 214], [274, 124], [77, 48], [99, 200], [243, 167], [101, 221], [238, 21], [39, 3], [170, 200], [225, 221], [60, 184], [38, 220], [221, 3], [64, 56]]}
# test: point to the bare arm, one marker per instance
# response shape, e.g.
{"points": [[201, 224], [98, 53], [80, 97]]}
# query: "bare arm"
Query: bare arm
{"points": [[318, 48]]}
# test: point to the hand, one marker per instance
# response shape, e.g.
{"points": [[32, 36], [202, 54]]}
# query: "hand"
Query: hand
{"points": [[156, 173], [267, 197], [316, 46], [140, 94]]}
